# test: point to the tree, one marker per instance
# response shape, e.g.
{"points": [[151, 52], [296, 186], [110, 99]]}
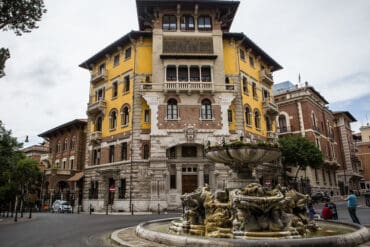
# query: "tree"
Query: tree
{"points": [[24, 175], [297, 151], [8, 149], [21, 17]]}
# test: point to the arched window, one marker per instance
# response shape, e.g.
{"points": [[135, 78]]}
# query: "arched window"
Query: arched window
{"points": [[172, 110], [73, 143], [314, 120], [268, 123], [98, 124], [125, 116], [248, 116], [59, 147], [187, 22], [206, 110], [169, 22], [282, 124], [257, 119], [113, 119], [65, 147]]}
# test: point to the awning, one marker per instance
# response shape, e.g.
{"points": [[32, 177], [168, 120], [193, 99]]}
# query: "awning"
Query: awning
{"points": [[76, 177]]}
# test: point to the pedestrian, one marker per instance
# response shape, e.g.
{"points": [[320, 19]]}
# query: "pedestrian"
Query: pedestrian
{"points": [[311, 211], [326, 212], [351, 205], [333, 208]]}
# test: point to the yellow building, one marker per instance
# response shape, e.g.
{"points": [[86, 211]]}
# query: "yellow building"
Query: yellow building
{"points": [[158, 94]]}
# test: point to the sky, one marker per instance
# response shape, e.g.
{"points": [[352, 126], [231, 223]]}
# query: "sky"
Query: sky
{"points": [[326, 42]]}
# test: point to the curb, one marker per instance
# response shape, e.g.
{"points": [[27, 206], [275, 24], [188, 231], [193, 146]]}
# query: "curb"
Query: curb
{"points": [[115, 238]]}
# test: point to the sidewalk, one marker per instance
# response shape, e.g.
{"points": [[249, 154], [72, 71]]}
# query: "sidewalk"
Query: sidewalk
{"points": [[10, 220]]}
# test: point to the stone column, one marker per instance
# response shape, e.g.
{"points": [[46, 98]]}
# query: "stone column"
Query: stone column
{"points": [[179, 178], [153, 102], [201, 175], [225, 102], [300, 117]]}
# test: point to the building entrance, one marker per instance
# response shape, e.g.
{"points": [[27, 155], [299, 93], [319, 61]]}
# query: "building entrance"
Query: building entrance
{"points": [[111, 191], [189, 183]]}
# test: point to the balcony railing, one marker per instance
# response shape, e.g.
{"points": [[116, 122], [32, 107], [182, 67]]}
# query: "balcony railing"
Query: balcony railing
{"points": [[285, 129], [266, 77], [102, 75], [188, 87], [269, 107], [96, 107], [58, 171], [271, 135], [317, 129], [95, 136]]}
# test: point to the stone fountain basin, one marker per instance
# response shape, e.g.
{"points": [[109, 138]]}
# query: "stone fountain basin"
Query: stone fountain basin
{"points": [[244, 154], [155, 231]]}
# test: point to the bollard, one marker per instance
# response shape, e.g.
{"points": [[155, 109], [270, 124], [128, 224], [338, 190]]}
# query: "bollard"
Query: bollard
{"points": [[159, 208], [106, 210], [90, 209], [132, 209], [30, 216], [78, 209]]}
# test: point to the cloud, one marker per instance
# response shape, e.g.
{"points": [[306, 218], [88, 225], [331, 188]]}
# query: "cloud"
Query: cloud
{"points": [[346, 88]]}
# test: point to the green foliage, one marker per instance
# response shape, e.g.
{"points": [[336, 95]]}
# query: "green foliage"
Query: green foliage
{"points": [[21, 17], [18, 173], [299, 152], [8, 153]]}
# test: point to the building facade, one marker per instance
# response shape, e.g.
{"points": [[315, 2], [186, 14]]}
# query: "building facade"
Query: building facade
{"points": [[64, 162], [350, 173], [157, 95], [362, 149], [304, 112], [36, 152]]}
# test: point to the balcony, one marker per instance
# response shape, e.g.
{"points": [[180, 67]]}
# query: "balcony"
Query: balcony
{"points": [[316, 129], [58, 171], [269, 107], [271, 135], [284, 129], [96, 77], [188, 87], [96, 107], [266, 77], [95, 137]]}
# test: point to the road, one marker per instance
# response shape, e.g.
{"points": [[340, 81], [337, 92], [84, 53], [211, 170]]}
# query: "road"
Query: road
{"points": [[54, 230]]}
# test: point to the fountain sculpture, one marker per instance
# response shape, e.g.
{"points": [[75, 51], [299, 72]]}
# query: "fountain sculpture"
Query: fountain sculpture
{"points": [[244, 209], [247, 211]]}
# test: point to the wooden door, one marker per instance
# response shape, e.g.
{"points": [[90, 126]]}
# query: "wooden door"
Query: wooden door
{"points": [[189, 183]]}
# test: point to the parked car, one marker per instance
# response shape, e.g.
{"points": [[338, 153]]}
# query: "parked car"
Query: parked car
{"points": [[61, 206], [320, 197]]}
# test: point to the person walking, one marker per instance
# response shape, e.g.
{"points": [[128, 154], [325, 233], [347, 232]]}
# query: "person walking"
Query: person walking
{"points": [[351, 205]]}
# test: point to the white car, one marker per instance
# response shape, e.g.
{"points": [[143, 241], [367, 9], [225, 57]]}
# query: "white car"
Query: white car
{"points": [[61, 207]]}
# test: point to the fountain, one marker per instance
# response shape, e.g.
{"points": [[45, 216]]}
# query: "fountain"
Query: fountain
{"points": [[245, 212]]}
